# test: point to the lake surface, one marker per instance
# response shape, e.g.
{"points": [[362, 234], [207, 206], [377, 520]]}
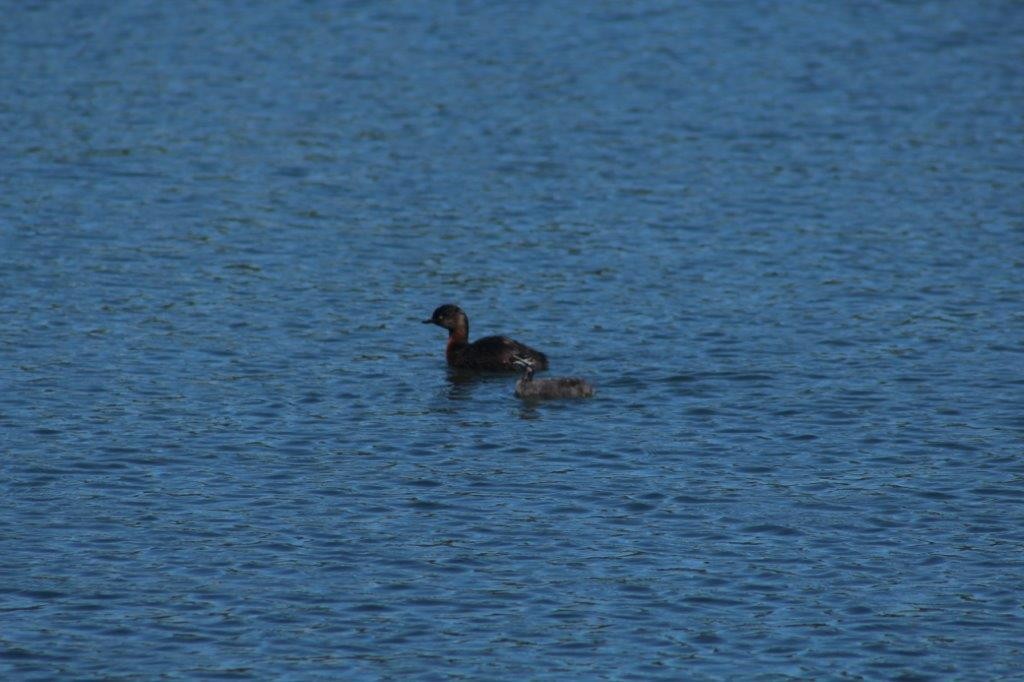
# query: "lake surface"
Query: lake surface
{"points": [[785, 241]]}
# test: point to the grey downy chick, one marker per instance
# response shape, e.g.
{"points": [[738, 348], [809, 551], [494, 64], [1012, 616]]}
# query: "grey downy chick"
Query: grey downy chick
{"points": [[529, 388]]}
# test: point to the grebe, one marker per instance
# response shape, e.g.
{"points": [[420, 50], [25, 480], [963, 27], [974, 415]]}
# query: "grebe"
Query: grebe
{"points": [[489, 354], [560, 387]]}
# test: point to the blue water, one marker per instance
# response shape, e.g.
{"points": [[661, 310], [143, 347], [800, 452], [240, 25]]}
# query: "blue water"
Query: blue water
{"points": [[785, 241]]}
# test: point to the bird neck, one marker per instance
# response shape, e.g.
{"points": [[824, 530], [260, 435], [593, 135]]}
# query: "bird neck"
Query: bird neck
{"points": [[459, 334], [457, 340]]}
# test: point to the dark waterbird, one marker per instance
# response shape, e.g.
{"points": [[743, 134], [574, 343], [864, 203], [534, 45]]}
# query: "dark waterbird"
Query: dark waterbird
{"points": [[489, 354], [528, 388]]}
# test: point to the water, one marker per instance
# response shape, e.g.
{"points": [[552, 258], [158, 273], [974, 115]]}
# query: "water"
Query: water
{"points": [[786, 243]]}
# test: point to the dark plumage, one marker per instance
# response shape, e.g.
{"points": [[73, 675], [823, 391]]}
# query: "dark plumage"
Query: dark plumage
{"points": [[543, 389], [489, 354]]}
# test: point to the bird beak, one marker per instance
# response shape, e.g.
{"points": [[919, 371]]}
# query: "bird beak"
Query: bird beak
{"points": [[427, 321]]}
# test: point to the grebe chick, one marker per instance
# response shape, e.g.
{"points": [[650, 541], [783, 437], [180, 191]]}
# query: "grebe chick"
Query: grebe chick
{"points": [[541, 389], [489, 354]]}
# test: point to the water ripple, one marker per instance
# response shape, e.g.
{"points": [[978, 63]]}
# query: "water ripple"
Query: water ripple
{"points": [[784, 254]]}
